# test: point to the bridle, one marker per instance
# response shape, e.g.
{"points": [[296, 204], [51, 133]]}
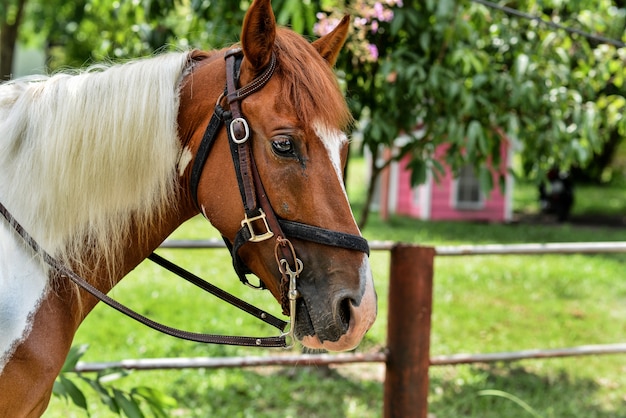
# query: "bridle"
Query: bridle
{"points": [[260, 223]]}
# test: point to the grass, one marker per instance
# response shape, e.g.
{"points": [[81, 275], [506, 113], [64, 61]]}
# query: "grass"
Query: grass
{"points": [[590, 200], [481, 304]]}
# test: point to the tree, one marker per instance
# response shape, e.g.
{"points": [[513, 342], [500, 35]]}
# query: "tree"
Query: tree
{"points": [[88, 31], [468, 74], [472, 76], [11, 13]]}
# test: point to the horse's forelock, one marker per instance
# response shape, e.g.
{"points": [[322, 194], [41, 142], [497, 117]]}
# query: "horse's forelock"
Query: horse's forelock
{"points": [[313, 90]]}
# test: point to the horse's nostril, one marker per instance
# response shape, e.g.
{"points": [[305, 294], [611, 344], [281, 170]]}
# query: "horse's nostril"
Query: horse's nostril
{"points": [[344, 313]]}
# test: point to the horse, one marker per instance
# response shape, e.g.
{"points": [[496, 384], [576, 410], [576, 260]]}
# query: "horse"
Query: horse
{"points": [[98, 167]]}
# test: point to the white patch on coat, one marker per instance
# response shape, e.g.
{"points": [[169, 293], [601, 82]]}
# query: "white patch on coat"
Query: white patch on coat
{"points": [[333, 140], [185, 158], [83, 157], [23, 284]]}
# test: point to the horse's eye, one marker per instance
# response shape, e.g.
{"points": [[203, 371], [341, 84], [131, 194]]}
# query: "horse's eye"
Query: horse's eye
{"points": [[283, 146]]}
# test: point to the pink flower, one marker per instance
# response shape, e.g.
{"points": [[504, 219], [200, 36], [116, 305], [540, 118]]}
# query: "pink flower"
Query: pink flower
{"points": [[360, 21], [379, 10], [325, 24], [373, 49]]}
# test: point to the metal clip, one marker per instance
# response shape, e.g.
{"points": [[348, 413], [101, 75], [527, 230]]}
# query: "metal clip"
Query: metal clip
{"points": [[254, 237], [293, 296]]}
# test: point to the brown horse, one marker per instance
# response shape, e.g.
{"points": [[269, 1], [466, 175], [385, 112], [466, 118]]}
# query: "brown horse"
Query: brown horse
{"points": [[100, 167]]}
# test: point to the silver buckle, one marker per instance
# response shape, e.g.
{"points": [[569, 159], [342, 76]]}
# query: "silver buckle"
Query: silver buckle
{"points": [[254, 236], [246, 129]]}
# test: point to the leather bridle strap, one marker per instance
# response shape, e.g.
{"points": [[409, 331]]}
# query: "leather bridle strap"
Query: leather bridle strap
{"points": [[258, 210], [239, 130], [324, 236], [220, 116], [208, 139], [65, 271]]}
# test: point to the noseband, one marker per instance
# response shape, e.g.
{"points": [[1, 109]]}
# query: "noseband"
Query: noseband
{"points": [[260, 223]]}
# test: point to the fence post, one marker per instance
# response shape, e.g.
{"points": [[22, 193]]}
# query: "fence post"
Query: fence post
{"points": [[408, 331]]}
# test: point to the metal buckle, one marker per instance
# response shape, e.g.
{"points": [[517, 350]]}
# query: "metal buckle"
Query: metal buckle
{"points": [[246, 129], [257, 237]]}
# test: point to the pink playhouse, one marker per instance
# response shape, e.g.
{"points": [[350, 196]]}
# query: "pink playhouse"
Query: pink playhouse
{"points": [[450, 198]]}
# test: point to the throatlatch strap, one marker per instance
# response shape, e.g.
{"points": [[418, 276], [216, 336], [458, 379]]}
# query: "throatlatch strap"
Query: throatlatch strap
{"points": [[208, 139]]}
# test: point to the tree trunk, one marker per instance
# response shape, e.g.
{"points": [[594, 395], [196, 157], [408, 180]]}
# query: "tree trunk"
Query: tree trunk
{"points": [[8, 39], [371, 188]]}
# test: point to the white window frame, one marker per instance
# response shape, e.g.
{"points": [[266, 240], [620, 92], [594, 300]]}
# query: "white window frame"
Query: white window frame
{"points": [[456, 183]]}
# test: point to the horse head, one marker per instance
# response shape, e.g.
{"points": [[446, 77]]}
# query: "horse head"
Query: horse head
{"points": [[296, 123]]}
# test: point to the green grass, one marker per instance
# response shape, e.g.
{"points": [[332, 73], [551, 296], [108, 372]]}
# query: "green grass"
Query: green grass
{"points": [[481, 304]]}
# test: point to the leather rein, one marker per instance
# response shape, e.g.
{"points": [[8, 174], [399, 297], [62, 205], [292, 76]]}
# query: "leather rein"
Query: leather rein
{"points": [[259, 224]]}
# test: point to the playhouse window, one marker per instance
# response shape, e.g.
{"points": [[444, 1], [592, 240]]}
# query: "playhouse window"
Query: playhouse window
{"points": [[466, 190]]}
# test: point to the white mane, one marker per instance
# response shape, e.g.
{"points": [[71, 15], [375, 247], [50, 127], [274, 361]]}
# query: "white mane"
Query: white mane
{"points": [[82, 156]]}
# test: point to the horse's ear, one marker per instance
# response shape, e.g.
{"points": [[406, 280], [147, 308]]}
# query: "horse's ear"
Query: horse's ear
{"points": [[330, 44], [258, 33]]}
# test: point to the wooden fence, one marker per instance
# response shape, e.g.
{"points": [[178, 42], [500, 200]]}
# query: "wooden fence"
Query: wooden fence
{"points": [[407, 355]]}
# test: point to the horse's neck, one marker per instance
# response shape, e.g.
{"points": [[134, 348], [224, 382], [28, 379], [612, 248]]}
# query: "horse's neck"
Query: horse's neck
{"points": [[138, 248]]}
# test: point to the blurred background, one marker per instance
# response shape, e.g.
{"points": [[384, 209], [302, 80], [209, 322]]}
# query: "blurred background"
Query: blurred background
{"points": [[476, 122], [477, 96]]}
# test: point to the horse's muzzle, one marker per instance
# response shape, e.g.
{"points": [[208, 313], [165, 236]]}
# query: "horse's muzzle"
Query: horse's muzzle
{"points": [[343, 326]]}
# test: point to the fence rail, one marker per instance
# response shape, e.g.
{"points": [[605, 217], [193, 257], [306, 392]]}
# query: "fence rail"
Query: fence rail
{"points": [[298, 360], [407, 355], [306, 360], [458, 250]]}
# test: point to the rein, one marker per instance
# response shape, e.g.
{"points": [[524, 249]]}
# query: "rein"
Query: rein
{"points": [[65, 271], [260, 223]]}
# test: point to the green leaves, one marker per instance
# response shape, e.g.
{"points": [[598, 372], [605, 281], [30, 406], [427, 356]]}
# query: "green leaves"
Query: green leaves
{"points": [[460, 69], [75, 354], [124, 403], [127, 404], [418, 169], [476, 139], [300, 15], [65, 388], [468, 73]]}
